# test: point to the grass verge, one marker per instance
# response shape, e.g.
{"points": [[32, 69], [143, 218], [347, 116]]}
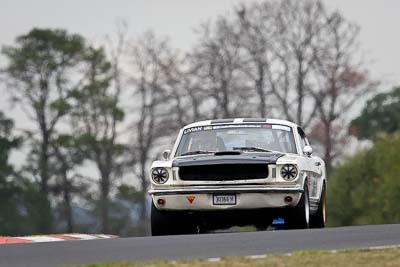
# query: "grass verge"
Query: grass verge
{"points": [[350, 258]]}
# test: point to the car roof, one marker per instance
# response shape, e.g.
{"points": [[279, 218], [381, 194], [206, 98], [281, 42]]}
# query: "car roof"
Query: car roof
{"points": [[240, 121]]}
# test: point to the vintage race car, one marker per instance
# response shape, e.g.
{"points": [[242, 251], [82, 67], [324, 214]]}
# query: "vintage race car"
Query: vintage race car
{"points": [[227, 172]]}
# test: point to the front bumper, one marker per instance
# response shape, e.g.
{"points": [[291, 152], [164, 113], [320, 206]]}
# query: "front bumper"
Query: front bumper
{"points": [[247, 197]]}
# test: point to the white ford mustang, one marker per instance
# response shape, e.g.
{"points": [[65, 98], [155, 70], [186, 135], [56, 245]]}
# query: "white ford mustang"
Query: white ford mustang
{"points": [[229, 172]]}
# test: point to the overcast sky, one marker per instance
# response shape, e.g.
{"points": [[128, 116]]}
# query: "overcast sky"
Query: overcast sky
{"points": [[379, 20]]}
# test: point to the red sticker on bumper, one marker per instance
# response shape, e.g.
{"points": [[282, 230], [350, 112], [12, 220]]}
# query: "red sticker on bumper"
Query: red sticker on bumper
{"points": [[190, 199]]}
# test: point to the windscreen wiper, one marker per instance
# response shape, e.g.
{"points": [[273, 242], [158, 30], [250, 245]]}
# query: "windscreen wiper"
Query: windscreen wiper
{"points": [[252, 148], [197, 152]]}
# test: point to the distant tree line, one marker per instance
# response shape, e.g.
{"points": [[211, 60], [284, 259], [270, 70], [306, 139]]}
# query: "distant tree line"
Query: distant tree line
{"points": [[365, 187], [112, 108]]}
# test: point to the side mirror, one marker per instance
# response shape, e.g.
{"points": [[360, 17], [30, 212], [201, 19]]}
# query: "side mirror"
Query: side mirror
{"points": [[166, 153], [307, 150]]}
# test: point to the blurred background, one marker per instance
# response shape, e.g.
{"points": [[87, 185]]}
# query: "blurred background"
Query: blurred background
{"points": [[93, 91]]}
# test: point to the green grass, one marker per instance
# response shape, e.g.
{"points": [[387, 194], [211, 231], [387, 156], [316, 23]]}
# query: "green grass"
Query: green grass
{"points": [[350, 258]]}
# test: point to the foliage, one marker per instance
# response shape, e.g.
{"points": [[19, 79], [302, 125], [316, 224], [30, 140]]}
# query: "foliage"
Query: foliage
{"points": [[381, 114], [9, 214], [20, 200], [95, 118], [365, 189], [39, 71], [67, 157]]}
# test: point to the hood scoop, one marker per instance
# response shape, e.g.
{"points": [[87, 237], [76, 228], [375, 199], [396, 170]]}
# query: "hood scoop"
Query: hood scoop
{"points": [[227, 153]]}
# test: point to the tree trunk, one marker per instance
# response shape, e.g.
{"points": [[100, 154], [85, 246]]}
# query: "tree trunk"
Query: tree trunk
{"points": [[260, 91], [45, 212], [68, 209], [300, 91], [328, 148], [44, 164], [225, 100], [143, 180], [104, 203], [195, 105]]}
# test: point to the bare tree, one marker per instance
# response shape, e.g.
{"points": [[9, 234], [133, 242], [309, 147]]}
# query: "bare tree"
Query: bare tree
{"points": [[298, 28], [342, 81], [266, 46], [218, 66], [299, 58], [159, 105], [256, 30]]}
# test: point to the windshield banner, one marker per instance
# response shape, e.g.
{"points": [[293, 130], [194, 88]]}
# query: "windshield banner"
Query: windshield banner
{"points": [[228, 126]]}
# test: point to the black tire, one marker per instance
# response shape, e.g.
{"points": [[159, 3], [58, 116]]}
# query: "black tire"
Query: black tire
{"points": [[170, 223], [318, 220], [299, 216]]}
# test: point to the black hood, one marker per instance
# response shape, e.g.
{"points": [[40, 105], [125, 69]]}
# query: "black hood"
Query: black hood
{"points": [[228, 158]]}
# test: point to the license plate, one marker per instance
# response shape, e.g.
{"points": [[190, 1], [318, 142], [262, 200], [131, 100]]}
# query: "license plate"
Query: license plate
{"points": [[224, 199]]}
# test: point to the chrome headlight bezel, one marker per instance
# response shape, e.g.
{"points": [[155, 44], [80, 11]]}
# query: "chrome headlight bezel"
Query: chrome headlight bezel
{"points": [[289, 172], [159, 175]]}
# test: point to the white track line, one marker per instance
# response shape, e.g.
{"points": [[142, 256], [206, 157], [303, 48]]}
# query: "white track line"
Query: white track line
{"points": [[82, 236], [106, 236], [42, 238]]}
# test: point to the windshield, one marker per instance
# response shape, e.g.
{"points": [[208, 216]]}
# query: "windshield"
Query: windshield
{"points": [[250, 137]]}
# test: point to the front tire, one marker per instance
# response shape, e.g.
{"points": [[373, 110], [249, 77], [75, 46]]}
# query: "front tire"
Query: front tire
{"points": [[299, 217], [170, 222], [318, 220]]}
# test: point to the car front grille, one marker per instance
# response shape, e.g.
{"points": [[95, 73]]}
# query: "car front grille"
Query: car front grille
{"points": [[223, 172]]}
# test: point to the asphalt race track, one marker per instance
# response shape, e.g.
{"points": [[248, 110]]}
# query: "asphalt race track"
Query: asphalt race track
{"points": [[196, 246]]}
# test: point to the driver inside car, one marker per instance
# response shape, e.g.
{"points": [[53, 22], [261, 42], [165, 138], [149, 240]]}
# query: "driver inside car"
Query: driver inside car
{"points": [[209, 141]]}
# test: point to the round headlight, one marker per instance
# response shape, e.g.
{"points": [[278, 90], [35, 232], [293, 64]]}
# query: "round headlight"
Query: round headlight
{"points": [[289, 172], [159, 175]]}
